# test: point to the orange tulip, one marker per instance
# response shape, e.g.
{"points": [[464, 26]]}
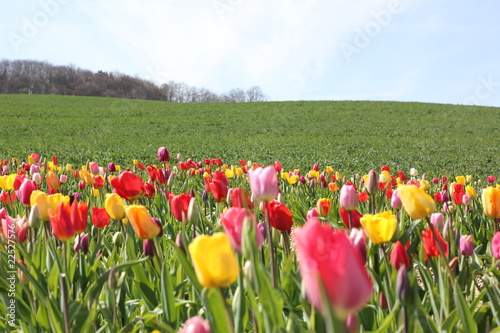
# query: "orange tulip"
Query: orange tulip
{"points": [[141, 221]]}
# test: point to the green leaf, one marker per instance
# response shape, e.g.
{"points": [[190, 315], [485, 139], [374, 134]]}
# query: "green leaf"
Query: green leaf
{"points": [[168, 297], [218, 314], [463, 310], [187, 267]]}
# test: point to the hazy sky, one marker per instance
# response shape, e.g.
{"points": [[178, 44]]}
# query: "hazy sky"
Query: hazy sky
{"points": [[403, 50]]}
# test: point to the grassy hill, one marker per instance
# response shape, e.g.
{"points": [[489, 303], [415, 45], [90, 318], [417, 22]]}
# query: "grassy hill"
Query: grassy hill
{"points": [[351, 136]]}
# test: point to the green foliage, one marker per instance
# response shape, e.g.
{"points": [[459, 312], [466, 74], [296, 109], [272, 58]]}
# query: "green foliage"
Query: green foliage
{"points": [[353, 137]]}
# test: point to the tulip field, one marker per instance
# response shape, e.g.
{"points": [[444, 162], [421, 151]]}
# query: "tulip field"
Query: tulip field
{"points": [[136, 216]]}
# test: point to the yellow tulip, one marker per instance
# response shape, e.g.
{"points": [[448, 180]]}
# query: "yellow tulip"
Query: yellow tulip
{"points": [[239, 172], [87, 177], [41, 199], [416, 202], [491, 201], [141, 222], [229, 173], [460, 180], [471, 191], [329, 170], [424, 185], [379, 227], [55, 199], [214, 260], [31, 160], [468, 178], [7, 182], [114, 205], [293, 179], [95, 192]]}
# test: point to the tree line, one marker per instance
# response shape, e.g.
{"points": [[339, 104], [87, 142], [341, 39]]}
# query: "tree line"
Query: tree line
{"points": [[41, 77]]}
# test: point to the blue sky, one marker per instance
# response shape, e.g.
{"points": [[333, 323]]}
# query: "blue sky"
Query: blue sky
{"points": [[400, 50]]}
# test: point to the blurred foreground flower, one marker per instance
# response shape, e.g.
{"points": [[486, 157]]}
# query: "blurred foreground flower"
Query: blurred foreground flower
{"points": [[326, 256], [196, 324]]}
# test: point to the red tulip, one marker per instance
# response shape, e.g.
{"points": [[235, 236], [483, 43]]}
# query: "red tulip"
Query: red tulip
{"points": [[221, 176], [239, 198], [218, 189], [128, 186], [232, 220], [78, 216], [280, 217], [431, 247], [60, 221], [356, 216], [179, 205], [100, 217], [399, 256], [327, 256]]}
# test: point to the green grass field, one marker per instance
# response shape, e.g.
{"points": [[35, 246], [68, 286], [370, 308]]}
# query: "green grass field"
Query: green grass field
{"points": [[351, 136]]}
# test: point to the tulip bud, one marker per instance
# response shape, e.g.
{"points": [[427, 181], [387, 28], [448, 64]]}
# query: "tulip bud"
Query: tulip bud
{"points": [[34, 219], [466, 199], [157, 221], [402, 285], [447, 229], [466, 245], [261, 227], [372, 183], [179, 242], [453, 264], [396, 200], [112, 285], [193, 214], [148, 247], [171, 178], [382, 301], [118, 238]]}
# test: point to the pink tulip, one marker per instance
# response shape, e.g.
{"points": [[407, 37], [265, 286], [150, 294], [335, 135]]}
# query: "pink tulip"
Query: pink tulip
{"points": [[163, 155], [327, 256], [94, 168], [396, 200], [466, 245], [15, 228], [196, 325], [348, 199], [495, 246], [232, 220], [437, 220], [25, 190], [313, 212], [263, 183]]}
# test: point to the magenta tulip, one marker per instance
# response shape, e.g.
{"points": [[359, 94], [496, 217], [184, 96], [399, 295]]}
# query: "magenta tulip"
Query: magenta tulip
{"points": [[163, 155], [263, 183], [327, 256]]}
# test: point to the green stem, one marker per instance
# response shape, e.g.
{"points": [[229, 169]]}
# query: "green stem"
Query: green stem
{"points": [[271, 247], [65, 309]]}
